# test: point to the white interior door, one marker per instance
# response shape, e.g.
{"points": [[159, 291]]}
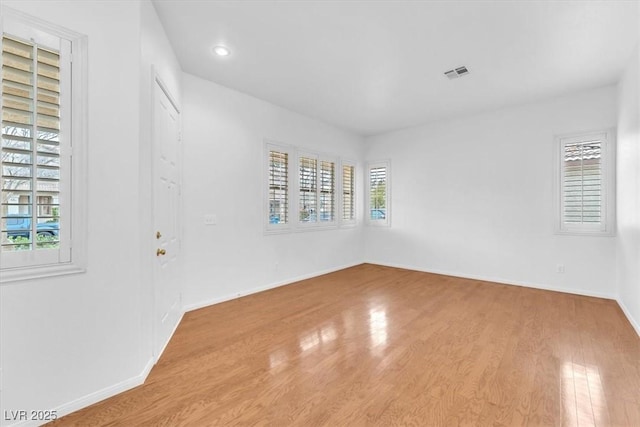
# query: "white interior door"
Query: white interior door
{"points": [[166, 204]]}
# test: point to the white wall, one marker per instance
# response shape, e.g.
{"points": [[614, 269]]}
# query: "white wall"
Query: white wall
{"points": [[628, 243], [69, 341], [473, 197], [223, 156]]}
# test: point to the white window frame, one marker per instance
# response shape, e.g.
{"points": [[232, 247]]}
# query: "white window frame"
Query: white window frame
{"points": [[293, 190], [290, 151], [302, 225], [353, 221], [386, 221], [71, 257], [608, 153]]}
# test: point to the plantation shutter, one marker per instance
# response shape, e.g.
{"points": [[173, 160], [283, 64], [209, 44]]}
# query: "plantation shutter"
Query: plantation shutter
{"points": [[377, 191], [278, 187], [582, 182], [30, 150], [308, 189], [327, 190], [348, 190]]}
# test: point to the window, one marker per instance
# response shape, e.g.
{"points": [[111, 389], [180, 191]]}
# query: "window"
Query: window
{"points": [[41, 218], [378, 209], [348, 193], [327, 191], [586, 184], [278, 187], [308, 192], [316, 190], [304, 182]]}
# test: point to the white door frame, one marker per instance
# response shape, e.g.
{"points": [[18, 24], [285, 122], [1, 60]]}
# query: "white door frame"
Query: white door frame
{"points": [[156, 80]]}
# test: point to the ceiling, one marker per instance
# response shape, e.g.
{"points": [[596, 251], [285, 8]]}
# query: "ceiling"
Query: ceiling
{"points": [[375, 66]]}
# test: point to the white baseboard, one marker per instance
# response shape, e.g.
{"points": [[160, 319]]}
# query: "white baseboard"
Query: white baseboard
{"points": [[500, 280], [164, 346], [95, 397], [255, 290], [627, 313], [107, 392]]}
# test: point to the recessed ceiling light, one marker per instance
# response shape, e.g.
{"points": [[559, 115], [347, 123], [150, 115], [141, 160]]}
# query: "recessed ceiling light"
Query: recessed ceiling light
{"points": [[221, 51]]}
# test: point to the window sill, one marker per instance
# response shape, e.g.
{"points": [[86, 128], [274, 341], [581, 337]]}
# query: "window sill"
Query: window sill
{"points": [[381, 223], [348, 224], [593, 233], [11, 275], [277, 230], [303, 228]]}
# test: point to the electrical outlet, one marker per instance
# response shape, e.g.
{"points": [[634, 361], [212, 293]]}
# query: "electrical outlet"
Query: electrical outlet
{"points": [[560, 268], [210, 219]]}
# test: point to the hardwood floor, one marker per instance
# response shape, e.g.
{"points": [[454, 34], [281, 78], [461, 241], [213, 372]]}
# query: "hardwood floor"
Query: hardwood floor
{"points": [[373, 345]]}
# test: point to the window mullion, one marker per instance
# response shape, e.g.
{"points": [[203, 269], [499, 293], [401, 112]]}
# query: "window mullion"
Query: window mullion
{"points": [[582, 183], [318, 189]]}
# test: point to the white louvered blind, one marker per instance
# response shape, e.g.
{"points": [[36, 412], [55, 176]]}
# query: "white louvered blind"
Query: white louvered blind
{"points": [[30, 150], [348, 193], [327, 191], [377, 193], [308, 189], [582, 182], [585, 183], [278, 187]]}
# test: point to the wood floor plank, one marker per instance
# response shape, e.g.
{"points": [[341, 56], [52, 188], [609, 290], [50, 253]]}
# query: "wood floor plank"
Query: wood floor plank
{"points": [[374, 345]]}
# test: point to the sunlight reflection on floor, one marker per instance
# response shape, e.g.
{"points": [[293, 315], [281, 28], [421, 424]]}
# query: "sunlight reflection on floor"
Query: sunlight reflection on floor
{"points": [[378, 329], [582, 394]]}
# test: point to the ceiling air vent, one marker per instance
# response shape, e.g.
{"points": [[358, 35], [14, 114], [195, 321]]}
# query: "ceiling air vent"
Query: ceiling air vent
{"points": [[456, 72]]}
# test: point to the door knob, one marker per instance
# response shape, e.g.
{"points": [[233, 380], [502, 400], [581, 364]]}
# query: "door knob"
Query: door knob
{"points": [[160, 252]]}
